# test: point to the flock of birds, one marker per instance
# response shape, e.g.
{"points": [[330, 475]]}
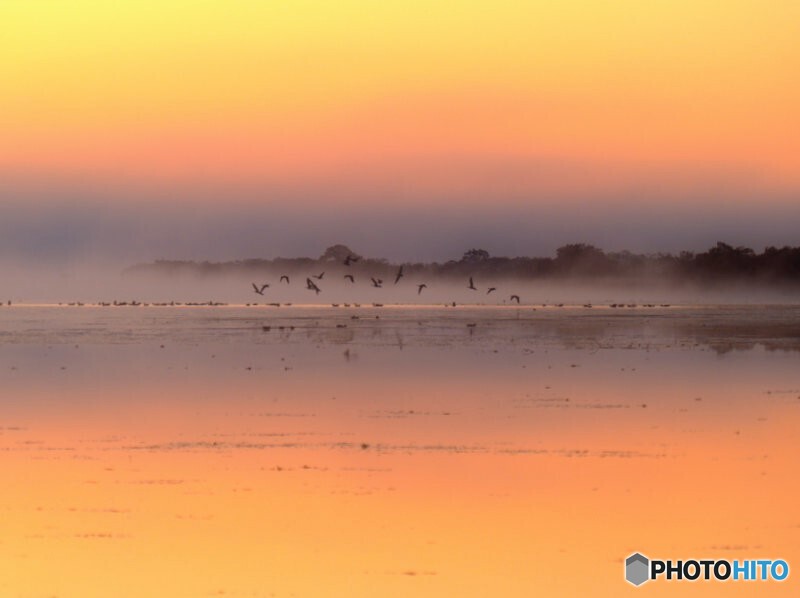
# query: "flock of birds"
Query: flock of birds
{"points": [[377, 283], [311, 285]]}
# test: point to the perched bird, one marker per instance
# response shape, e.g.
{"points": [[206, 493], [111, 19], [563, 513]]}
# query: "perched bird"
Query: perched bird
{"points": [[318, 276], [420, 287], [491, 290], [311, 286], [286, 278], [514, 298], [471, 284], [399, 275], [259, 290], [350, 278], [376, 283], [350, 259]]}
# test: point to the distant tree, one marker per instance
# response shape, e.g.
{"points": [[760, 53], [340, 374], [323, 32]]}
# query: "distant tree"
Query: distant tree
{"points": [[475, 255], [720, 263], [337, 253], [724, 260], [582, 258], [578, 251]]}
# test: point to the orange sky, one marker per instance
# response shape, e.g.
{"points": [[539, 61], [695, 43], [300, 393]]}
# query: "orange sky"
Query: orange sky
{"points": [[502, 99]]}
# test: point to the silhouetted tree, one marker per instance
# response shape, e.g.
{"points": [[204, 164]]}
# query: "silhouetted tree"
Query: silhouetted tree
{"points": [[337, 253], [722, 262], [580, 258], [475, 255]]}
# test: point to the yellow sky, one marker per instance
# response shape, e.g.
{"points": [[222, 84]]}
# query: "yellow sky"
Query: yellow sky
{"points": [[453, 95]]}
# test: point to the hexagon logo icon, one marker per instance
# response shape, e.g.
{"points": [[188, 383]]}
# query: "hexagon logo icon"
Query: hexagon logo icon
{"points": [[637, 569]]}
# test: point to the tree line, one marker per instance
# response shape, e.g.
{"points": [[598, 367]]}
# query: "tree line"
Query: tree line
{"points": [[720, 263]]}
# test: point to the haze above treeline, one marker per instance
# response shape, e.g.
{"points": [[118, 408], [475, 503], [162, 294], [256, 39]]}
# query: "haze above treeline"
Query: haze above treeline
{"points": [[721, 263]]}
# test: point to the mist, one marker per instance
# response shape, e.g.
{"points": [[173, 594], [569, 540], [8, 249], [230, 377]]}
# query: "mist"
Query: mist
{"points": [[97, 283], [74, 245], [93, 231]]}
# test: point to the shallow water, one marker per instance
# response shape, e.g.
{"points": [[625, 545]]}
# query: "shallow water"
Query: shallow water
{"points": [[318, 451]]}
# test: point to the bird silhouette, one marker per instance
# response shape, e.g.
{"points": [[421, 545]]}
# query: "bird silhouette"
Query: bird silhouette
{"points": [[259, 290], [350, 259], [491, 290], [471, 284], [399, 275], [376, 283], [350, 278], [420, 287], [286, 278], [515, 298], [311, 286], [318, 276]]}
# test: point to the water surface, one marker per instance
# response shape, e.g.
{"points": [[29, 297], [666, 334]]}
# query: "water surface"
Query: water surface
{"points": [[318, 451]]}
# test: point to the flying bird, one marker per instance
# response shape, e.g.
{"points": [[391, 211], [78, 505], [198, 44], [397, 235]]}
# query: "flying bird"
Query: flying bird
{"points": [[399, 275], [515, 298], [350, 278], [376, 283], [350, 259], [318, 276], [259, 290], [491, 290], [420, 287], [471, 284], [311, 286], [286, 278]]}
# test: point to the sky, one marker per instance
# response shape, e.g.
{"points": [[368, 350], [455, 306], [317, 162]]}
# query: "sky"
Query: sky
{"points": [[218, 130]]}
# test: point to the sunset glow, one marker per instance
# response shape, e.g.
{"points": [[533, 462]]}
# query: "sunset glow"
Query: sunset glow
{"points": [[511, 100], [399, 298]]}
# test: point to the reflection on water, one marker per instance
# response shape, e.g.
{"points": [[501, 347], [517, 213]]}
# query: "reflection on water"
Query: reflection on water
{"points": [[388, 451]]}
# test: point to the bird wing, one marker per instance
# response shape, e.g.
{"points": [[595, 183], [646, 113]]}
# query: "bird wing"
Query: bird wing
{"points": [[255, 287]]}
